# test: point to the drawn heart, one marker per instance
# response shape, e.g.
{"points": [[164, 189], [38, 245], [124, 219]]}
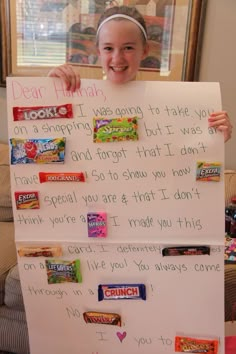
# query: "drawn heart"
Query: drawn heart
{"points": [[121, 336]]}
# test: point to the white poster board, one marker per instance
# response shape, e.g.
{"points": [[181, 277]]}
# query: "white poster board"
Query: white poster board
{"points": [[149, 191]]}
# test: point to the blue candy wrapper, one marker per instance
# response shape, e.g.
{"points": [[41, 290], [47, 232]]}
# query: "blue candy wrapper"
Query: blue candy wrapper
{"points": [[121, 292], [40, 151]]}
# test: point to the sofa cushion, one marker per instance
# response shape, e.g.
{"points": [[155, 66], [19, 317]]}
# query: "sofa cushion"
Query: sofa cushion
{"points": [[13, 331], [2, 287], [7, 253], [5, 187], [13, 294]]}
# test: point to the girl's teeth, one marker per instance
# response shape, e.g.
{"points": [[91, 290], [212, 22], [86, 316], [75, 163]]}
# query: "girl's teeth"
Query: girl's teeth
{"points": [[118, 69]]}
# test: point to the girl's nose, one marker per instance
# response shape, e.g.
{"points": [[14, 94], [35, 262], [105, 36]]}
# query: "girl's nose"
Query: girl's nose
{"points": [[117, 55]]}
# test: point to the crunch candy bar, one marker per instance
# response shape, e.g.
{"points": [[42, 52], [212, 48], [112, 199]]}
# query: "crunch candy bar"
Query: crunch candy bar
{"points": [[121, 291]]}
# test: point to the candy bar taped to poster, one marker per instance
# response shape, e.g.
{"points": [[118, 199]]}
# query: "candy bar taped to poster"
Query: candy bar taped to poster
{"points": [[107, 183]]}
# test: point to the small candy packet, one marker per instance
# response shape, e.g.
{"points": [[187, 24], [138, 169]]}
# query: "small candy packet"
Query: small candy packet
{"points": [[194, 345], [121, 292], [27, 200], [61, 177], [117, 129], [42, 112], [208, 171], [97, 224], [60, 271], [42, 151], [39, 251], [102, 318]]}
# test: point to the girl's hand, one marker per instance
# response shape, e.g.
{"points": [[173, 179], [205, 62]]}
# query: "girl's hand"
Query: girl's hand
{"points": [[221, 121], [68, 74]]}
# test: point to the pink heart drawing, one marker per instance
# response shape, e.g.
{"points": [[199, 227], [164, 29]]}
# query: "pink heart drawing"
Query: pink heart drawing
{"points": [[121, 336]]}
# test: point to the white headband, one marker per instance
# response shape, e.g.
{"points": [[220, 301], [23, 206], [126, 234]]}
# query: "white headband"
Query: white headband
{"points": [[122, 16]]}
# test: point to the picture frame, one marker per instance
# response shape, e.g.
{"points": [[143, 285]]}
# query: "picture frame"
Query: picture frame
{"points": [[5, 45], [182, 66]]}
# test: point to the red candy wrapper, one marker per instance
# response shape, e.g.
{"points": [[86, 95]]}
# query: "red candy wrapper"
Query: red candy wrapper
{"points": [[42, 112], [195, 345], [61, 177], [27, 200], [39, 251]]}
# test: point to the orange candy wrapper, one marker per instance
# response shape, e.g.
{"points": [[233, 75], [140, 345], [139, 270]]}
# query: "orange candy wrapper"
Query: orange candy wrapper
{"points": [[195, 345]]}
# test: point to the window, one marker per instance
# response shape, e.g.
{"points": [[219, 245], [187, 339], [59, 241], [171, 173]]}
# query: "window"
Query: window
{"points": [[45, 34]]}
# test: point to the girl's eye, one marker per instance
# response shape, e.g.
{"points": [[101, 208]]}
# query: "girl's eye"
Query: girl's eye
{"points": [[129, 48], [108, 49]]}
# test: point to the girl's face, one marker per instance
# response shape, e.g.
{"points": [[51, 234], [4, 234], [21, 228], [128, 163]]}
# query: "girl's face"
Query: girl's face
{"points": [[121, 49]]}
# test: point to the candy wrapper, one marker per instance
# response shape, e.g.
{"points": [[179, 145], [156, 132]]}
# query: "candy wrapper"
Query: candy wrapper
{"points": [[39, 251], [186, 251], [60, 271], [194, 345], [102, 318], [121, 292], [42, 112], [208, 171], [27, 200], [117, 129], [42, 151], [61, 177], [97, 224], [230, 250]]}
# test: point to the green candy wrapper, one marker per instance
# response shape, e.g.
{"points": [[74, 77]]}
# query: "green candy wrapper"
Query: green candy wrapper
{"points": [[117, 129], [60, 271]]}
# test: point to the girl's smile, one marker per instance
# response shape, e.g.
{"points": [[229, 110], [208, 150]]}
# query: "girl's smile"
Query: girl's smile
{"points": [[121, 48]]}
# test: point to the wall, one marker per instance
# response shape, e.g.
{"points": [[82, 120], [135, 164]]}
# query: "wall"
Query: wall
{"points": [[219, 59], [217, 64], [3, 115]]}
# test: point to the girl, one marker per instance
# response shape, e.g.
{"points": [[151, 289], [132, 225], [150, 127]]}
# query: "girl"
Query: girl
{"points": [[122, 44]]}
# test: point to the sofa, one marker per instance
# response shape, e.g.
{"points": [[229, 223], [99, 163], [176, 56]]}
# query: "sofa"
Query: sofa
{"points": [[13, 326]]}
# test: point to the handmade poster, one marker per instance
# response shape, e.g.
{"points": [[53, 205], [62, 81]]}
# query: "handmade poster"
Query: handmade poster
{"points": [[98, 194]]}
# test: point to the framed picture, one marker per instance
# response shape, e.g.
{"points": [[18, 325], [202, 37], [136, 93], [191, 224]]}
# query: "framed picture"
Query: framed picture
{"points": [[38, 35]]}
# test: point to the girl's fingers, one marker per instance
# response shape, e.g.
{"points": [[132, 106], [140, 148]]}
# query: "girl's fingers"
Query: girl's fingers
{"points": [[68, 70], [67, 73], [221, 121], [227, 132]]}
